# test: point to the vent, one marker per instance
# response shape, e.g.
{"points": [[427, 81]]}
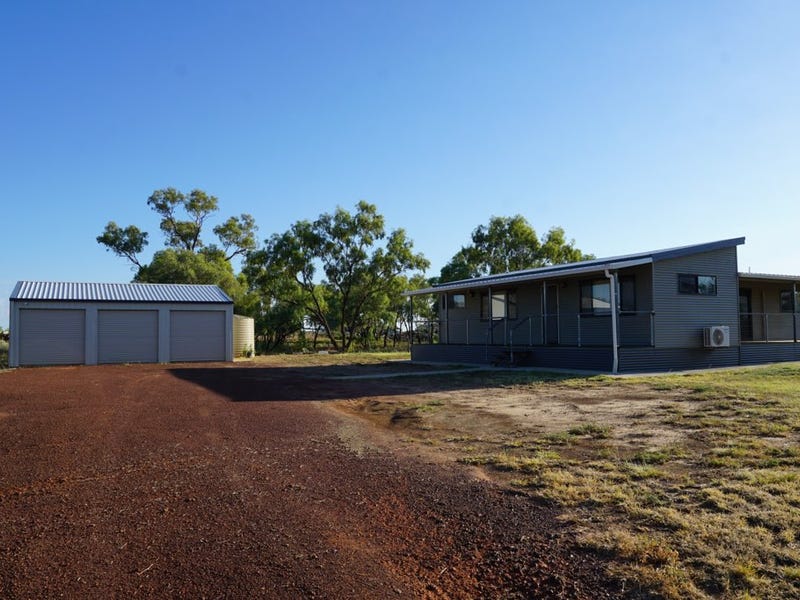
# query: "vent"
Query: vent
{"points": [[717, 336]]}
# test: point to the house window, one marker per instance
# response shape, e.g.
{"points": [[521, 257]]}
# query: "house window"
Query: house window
{"points": [[458, 301], [595, 297], [786, 301], [504, 305], [703, 285]]}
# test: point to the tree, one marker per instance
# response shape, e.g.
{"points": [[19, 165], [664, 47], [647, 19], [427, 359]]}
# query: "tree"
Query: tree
{"points": [[127, 242], [184, 266], [423, 309], [510, 244], [357, 260], [236, 235], [186, 259], [197, 205]]}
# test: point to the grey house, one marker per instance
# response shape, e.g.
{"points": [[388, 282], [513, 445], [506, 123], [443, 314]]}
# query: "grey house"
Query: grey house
{"points": [[56, 323], [679, 308]]}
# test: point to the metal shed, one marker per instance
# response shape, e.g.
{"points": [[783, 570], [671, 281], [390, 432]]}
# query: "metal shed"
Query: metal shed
{"points": [[54, 323]]}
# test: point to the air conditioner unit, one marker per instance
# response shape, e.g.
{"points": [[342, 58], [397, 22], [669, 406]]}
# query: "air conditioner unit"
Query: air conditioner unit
{"points": [[717, 336]]}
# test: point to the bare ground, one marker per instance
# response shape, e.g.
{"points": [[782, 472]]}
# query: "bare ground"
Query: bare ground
{"points": [[242, 480]]}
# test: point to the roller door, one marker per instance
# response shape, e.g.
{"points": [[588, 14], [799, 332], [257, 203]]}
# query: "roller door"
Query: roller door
{"points": [[52, 337], [127, 336], [197, 335]]}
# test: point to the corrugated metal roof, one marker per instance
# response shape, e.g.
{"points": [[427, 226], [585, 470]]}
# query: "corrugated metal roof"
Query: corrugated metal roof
{"points": [[775, 276], [596, 264], [118, 292], [538, 275]]}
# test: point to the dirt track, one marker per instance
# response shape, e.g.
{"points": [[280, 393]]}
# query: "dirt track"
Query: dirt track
{"points": [[236, 481]]}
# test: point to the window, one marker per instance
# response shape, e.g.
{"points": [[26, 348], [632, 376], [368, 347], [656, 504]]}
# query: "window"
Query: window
{"points": [[458, 301], [504, 305], [703, 285], [786, 301], [707, 285], [595, 297]]}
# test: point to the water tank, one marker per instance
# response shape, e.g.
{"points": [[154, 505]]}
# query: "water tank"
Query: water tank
{"points": [[244, 336]]}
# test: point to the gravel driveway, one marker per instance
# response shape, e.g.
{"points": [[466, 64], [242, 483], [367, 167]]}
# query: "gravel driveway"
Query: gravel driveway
{"points": [[233, 481]]}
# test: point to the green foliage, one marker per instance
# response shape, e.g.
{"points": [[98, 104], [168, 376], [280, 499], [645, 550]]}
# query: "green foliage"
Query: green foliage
{"points": [[236, 235], [359, 265], [187, 259], [510, 244], [277, 321], [3, 353], [184, 266], [124, 242], [184, 234]]}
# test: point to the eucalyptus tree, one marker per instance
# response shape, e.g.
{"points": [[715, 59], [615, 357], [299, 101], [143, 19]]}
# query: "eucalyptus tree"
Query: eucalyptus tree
{"points": [[187, 258], [510, 244], [340, 269]]}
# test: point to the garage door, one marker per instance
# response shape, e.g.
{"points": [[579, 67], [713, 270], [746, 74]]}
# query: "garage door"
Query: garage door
{"points": [[51, 337], [197, 335], [127, 336]]}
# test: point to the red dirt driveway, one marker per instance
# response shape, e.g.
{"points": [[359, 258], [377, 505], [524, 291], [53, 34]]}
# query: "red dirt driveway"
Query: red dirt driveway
{"points": [[227, 481]]}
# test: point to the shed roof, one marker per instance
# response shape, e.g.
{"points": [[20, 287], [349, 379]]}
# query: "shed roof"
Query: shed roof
{"points": [[118, 292], [586, 266]]}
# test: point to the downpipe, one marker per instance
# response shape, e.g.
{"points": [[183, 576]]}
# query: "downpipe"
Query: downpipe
{"points": [[612, 284]]}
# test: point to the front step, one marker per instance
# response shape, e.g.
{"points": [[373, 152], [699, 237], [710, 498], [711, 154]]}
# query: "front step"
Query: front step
{"points": [[503, 358]]}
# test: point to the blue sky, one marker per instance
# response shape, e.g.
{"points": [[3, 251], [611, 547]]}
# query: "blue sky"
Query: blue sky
{"points": [[635, 126]]}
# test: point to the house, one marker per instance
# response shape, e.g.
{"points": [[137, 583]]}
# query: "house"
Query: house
{"points": [[679, 308], [55, 323]]}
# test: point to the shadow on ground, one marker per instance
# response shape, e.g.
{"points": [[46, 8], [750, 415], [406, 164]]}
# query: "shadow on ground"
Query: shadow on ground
{"points": [[288, 384]]}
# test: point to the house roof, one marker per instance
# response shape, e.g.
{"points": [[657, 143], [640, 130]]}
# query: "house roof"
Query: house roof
{"points": [[118, 292], [586, 266], [769, 276]]}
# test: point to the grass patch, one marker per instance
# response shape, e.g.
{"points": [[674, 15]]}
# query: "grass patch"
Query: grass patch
{"points": [[328, 359], [658, 456], [508, 462], [415, 411], [592, 430]]}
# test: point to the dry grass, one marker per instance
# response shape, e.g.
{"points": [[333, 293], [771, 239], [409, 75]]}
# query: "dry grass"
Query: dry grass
{"points": [[717, 515], [691, 492], [325, 358]]}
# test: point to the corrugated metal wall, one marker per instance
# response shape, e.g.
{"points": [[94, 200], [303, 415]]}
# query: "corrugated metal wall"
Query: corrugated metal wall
{"points": [[756, 354], [590, 359], [51, 337], [675, 359], [52, 333], [197, 335], [127, 336], [680, 318]]}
